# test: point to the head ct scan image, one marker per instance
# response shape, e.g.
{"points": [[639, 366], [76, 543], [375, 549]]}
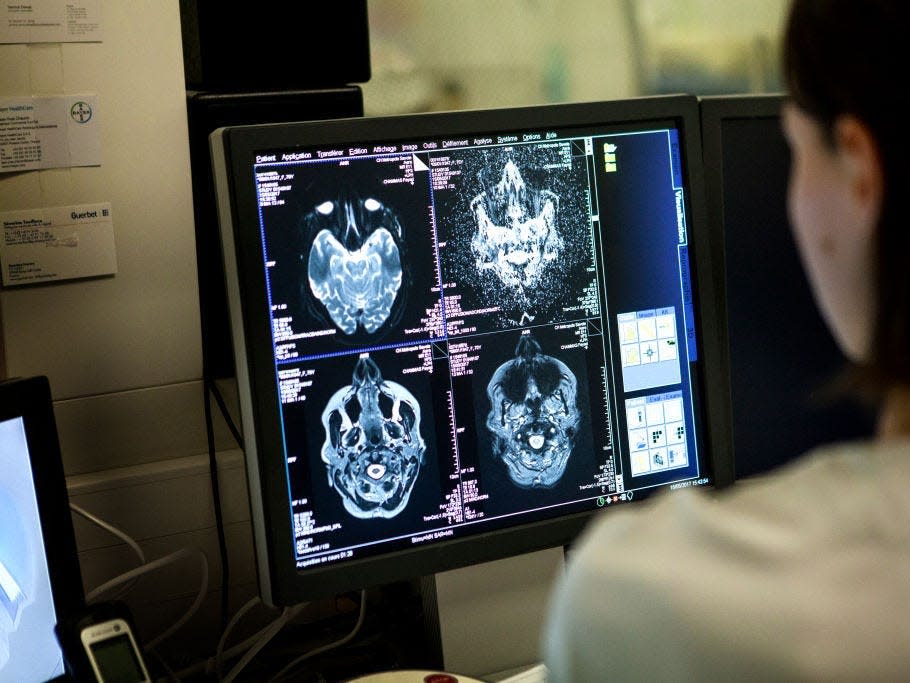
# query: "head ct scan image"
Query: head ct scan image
{"points": [[476, 332]]}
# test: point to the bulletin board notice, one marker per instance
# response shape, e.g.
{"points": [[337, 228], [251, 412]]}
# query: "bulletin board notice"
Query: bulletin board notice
{"points": [[50, 21], [49, 132], [57, 243]]}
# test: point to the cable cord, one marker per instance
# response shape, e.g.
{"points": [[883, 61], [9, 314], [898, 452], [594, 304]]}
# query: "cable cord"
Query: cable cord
{"points": [[219, 651], [207, 387], [330, 646], [225, 413], [193, 608], [209, 665], [123, 536], [152, 566], [268, 633]]}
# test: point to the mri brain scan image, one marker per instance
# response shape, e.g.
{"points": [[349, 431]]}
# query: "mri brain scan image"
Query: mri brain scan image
{"points": [[516, 232], [516, 235], [373, 449], [355, 267], [533, 416]]}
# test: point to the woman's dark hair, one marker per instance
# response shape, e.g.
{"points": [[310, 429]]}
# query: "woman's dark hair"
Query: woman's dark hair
{"points": [[846, 57]]}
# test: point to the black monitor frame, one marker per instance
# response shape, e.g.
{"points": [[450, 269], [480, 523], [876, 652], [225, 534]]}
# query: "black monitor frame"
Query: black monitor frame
{"points": [[788, 392], [234, 148], [30, 399]]}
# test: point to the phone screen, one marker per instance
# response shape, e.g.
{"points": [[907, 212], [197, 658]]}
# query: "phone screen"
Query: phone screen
{"points": [[116, 660]]}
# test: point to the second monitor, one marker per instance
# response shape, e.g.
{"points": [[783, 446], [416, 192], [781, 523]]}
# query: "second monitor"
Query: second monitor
{"points": [[783, 359]]}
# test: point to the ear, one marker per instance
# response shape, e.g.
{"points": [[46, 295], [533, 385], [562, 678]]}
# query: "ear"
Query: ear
{"points": [[861, 162]]}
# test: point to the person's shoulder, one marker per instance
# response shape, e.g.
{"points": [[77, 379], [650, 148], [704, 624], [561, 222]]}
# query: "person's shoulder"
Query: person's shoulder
{"points": [[738, 577], [825, 485]]}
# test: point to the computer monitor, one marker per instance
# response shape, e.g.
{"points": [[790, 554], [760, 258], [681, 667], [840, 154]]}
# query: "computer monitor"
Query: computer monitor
{"points": [[459, 335], [40, 581], [783, 359]]}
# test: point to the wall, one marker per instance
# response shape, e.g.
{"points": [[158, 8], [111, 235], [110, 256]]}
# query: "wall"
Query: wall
{"points": [[117, 350], [476, 53], [123, 353], [431, 54]]}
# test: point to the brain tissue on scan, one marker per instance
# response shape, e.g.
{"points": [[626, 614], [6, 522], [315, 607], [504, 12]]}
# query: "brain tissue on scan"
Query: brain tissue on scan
{"points": [[533, 416], [373, 448], [354, 266], [516, 233]]}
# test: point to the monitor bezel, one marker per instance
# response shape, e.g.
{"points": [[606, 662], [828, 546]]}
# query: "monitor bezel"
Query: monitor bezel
{"points": [[857, 420], [713, 111], [30, 399], [233, 150]]}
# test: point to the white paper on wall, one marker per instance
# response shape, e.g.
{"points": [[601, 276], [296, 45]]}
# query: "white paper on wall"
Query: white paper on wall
{"points": [[50, 21], [49, 132], [57, 243]]}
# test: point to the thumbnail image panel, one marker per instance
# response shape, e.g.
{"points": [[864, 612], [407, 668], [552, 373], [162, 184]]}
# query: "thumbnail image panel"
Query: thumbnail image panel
{"points": [[368, 445], [515, 235], [351, 256]]}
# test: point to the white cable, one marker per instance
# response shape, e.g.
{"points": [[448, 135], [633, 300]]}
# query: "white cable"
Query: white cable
{"points": [[200, 596], [119, 534], [152, 566], [208, 665], [110, 528], [230, 626], [330, 646], [270, 632], [135, 573], [249, 642]]}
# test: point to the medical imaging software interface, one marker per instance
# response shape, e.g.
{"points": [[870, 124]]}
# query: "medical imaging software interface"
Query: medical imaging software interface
{"points": [[476, 332]]}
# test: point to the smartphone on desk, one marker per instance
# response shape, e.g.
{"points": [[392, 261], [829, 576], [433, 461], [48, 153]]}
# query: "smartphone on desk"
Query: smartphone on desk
{"points": [[113, 653], [100, 645]]}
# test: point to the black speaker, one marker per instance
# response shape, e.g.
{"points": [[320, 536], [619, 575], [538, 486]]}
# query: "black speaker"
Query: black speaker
{"points": [[274, 45], [205, 113]]}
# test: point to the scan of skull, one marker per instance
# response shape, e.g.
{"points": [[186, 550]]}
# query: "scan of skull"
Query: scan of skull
{"points": [[533, 416], [373, 449], [355, 267], [516, 233]]}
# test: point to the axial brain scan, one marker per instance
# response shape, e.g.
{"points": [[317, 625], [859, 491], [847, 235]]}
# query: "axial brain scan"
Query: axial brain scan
{"points": [[373, 449], [354, 266], [533, 416], [516, 230]]}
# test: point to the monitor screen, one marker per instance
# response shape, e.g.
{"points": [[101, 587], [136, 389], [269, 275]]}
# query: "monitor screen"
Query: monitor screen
{"points": [[459, 335], [782, 355], [39, 571]]}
